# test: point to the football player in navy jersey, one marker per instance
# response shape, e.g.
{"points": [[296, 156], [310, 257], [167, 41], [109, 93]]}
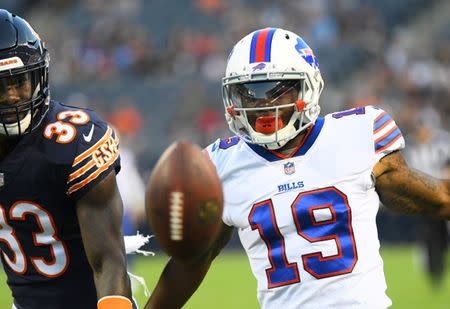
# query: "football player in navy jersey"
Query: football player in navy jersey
{"points": [[61, 241]]}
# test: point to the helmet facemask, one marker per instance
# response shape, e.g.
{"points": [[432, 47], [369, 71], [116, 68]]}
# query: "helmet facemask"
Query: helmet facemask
{"points": [[23, 99], [271, 112]]}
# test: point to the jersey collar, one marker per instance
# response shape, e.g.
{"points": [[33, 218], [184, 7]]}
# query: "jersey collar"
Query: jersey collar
{"points": [[305, 145]]}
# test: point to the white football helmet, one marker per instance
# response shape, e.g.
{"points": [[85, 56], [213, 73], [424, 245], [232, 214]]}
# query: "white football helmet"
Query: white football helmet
{"points": [[271, 88]]}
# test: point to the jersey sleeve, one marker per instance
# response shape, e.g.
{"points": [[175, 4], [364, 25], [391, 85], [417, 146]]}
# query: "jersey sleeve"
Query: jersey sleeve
{"points": [[211, 151], [387, 136], [96, 156], [216, 152]]}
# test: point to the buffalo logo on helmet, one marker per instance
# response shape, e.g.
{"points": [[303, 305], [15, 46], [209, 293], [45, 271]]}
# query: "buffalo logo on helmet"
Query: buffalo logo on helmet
{"points": [[306, 52], [259, 66]]}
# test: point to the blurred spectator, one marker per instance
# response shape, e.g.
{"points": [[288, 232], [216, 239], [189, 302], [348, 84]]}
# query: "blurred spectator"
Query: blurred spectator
{"points": [[211, 7], [211, 124], [429, 151], [127, 121]]}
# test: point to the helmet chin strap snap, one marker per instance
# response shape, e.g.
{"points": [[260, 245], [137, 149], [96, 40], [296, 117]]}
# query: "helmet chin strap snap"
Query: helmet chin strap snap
{"points": [[300, 105], [267, 124]]}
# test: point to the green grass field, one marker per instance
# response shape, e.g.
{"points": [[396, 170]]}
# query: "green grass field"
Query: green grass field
{"points": [[230, 284]]}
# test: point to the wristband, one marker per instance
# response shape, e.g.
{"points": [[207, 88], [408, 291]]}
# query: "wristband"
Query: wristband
{"points": [[114, 302]]}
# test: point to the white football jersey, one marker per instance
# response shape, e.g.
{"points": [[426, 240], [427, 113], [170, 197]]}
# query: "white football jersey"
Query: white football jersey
{"points": [[307, 221]]}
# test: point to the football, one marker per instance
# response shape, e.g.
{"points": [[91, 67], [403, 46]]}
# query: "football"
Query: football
{"points": [[184, 201]]}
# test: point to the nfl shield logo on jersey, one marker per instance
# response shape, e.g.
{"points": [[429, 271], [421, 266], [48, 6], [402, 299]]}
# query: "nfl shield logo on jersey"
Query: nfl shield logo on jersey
{"points": [[289, 168]]}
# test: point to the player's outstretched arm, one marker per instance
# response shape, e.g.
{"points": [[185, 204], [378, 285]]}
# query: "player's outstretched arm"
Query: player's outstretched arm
{"points": [[180, 279], [410, 191], [100, 217]]}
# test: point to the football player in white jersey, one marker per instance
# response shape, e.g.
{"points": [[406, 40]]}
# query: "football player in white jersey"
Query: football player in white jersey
{"points": [[303, 191]]}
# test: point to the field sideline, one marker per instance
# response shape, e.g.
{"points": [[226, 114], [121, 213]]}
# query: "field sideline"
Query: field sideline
{"points": [[230, 284]]}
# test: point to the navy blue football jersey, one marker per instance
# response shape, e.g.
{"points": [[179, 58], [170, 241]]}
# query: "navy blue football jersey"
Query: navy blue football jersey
{"points": [[40, 182]]}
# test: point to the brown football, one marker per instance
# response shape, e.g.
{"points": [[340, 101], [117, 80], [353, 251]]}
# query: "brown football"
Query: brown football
{"points": [[184, 201]]}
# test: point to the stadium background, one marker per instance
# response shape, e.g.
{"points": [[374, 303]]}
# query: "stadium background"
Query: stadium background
{"points": [[156, 65]]}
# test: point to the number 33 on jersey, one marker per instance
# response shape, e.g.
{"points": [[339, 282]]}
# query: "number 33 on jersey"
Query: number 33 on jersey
{"points": [[43, 178], [308, 219]]}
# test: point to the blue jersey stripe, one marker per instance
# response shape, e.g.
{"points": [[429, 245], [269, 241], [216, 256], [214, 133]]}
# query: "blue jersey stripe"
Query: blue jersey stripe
{"points": [[381, 121], [394, 135], [312, 137], [263, 152], [269, 156]]}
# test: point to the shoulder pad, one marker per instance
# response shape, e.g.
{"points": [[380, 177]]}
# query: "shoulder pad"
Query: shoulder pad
{"points": [[82, 140]]}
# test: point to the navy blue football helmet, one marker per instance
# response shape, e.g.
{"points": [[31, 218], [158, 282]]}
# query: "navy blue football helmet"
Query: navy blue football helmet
{"points": [[24, 61]]}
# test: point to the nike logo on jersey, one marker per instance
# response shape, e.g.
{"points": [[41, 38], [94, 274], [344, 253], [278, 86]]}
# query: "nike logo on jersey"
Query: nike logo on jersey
{"points": [[88, 137], [290, 186]]}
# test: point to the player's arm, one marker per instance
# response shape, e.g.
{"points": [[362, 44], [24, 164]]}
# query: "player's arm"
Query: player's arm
{"points": [[410, 191], [179, 280], [99, 214]]}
